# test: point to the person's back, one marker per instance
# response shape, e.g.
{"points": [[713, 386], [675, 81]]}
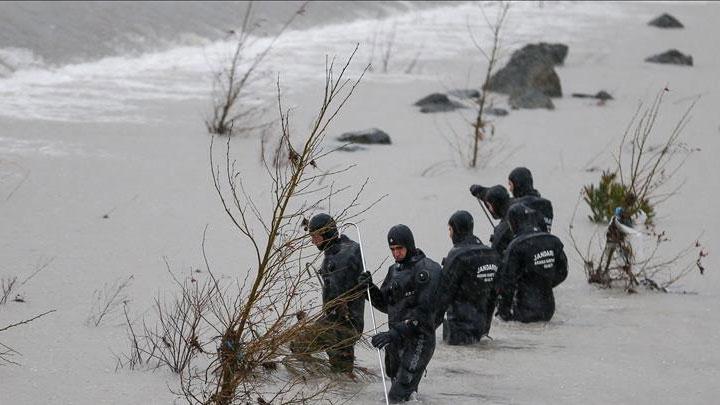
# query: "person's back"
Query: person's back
{"points": [[534, 264], [524, 193], [467, 288]]}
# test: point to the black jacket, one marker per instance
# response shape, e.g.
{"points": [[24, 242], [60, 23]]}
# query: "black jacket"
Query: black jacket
{"points": [[525, 193], [542, 207], [467, 291], [497, 196], [340, 270], [408, 295], [534, 264]]}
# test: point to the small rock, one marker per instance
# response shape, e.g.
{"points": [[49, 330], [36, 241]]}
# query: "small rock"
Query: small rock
{"points": [[368, 136], [666, 21], [350, 148], [437, 102], [603, 95], [530, 99], [673, 57], [600, 95], [464, 93], [499, 112], [434, 98]]}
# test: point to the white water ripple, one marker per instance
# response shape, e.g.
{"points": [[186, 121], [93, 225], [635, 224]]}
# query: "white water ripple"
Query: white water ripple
{"points": [[113, 89]]}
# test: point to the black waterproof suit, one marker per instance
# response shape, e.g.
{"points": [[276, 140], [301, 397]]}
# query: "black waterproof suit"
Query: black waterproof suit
{"points": [[534, 264], [525, 194], [340, 270], [408, 296], [467, 289], [343, 299], [499, 199]]}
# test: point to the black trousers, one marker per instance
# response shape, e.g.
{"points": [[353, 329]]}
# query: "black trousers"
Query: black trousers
{"points": [[405, 363]]}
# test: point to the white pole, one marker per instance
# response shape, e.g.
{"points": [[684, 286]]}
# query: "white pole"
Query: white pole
{"points": [[372, 313]]}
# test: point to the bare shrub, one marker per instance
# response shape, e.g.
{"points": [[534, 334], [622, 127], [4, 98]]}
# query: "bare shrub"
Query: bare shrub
{"points": [[108, 300], [8, 286], [642, 169], [632, 190], [384, 43], [481, 124], [232, 113], [7, 352]]}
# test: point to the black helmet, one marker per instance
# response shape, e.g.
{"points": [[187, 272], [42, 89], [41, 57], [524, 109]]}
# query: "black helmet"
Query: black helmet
{"points": [[402, 235], [520, 216], [522, 181], [498, 197], [462, 224], [323, 224]]}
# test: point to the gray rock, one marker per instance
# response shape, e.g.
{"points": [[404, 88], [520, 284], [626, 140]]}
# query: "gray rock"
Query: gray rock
{"points": [[531, 67], [556, 52], [437, 102], [603, 95], [666, 21], [673, 57], [499, 112], [530, 99], [350, 148], [600, 95], [367, 136], [464, 93]]}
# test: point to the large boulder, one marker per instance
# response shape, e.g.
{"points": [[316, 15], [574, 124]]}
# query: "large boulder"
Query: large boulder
{"points": [[437, 102], [666, 21], [673, 57], [531, 67], [367, 136], [530, 98]]}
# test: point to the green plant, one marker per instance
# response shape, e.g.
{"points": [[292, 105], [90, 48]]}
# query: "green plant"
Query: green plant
{"points": [[609, 194]]}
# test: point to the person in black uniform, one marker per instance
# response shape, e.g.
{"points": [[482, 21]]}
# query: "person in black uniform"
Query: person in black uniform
{"points": [[534, 264], [343, 299], [467, 288], [520, 181], [497, 201], [408, 296]]}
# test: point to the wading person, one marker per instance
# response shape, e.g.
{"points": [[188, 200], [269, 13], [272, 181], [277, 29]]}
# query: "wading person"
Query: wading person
{"points": [[407, 295], [343, 300], [497, 200], [467, 289], [520, 182], [534, 264]]}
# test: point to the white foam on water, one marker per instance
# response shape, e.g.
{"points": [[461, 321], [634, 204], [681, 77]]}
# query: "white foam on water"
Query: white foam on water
{"points": [[111, 89]]}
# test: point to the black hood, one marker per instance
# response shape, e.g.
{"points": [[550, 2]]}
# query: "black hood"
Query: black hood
{"points": [[522, 181], [462, 224], [325, 224], [498, 197], [521, 218], [402, 235]]}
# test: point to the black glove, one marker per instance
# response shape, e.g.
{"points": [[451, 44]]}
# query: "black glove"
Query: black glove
{"points": [[383, 339], [478, 191], [365, 280]]}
